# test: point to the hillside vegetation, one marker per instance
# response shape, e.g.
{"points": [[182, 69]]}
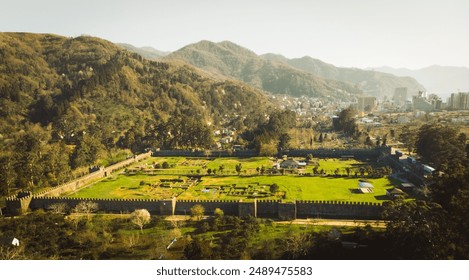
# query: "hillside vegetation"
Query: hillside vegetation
{"points": [[300, 76], [230, 60], [373, 83], [66, 103]]}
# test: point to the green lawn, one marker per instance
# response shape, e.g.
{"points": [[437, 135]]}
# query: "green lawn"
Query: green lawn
{"points": [[295, 187], [126, 187], [182, 164], [233, 187], [330, 165]]}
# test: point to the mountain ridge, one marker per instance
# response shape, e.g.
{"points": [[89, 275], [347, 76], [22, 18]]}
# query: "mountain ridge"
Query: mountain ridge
{"points": [[230, 60], [280, 75], [373, 83], [146, 52]]}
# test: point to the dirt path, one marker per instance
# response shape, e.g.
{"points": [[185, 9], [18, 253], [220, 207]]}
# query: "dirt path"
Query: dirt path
{"points": [[333, 222], [312, 222]]}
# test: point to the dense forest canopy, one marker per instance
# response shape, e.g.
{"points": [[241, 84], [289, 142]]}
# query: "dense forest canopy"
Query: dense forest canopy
{"points": [[67, 103]]}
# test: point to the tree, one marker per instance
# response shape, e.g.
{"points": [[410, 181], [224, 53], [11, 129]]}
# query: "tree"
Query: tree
{"points": [[87, 151], [368, 141], [459, 214], [417, 229], [274, 188], [348, 169], [281, 121], [140, 217], [262, 170], [198, 249], [315, 170], [30, 149], [346, 121], [336, 172], [440, 146], [221, 168], [86, 207], [218, 213], [378, 141], [238, 168], [296, 245], [197, 211], [284, 142], [57, 164], [12, 253], [267, 149], [58, 208], [408, 137], [7, 173]]}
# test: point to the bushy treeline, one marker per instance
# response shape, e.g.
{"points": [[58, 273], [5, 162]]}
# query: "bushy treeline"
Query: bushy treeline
{"points": [[434, 226]]}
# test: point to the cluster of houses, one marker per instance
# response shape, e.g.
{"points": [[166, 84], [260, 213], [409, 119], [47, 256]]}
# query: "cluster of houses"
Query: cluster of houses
{"points": [[225, 136], [289, 164]]}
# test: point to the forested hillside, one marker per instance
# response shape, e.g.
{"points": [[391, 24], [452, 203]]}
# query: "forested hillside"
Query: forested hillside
{"points": [[227, 59], [372, 83], [300, 76], [69, 103]]}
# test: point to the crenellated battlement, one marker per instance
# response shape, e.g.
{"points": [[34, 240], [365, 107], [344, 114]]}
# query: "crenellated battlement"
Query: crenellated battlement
{"points": [[259, 208], [207, 201], [337, 202]]}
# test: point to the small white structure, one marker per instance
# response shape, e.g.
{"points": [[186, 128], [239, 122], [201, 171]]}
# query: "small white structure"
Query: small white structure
{"points": [[292, 164], [394, 193], [427, 170], [15, 242], [365, 187]]}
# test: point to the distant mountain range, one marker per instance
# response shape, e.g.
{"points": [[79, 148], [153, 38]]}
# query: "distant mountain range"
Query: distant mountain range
{"points": [[309, 76], [226, 59], [442, 80], [372, 83], [146, 52], [279, 75]]}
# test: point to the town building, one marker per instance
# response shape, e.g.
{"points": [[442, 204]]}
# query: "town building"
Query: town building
{"points": [[459, 101], [400, 96], [367, 103]]}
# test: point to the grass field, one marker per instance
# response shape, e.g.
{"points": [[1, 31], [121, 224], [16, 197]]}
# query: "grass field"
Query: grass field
{"points": [[123, 186], [230, 186], [182, 164], [295, 188]]}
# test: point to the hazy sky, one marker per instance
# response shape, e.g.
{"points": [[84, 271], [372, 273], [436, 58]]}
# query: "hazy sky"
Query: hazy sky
{"points": [[360, 33]]}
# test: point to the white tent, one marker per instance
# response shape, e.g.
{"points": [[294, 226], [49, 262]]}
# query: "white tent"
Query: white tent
{"points": [[365, 187]]}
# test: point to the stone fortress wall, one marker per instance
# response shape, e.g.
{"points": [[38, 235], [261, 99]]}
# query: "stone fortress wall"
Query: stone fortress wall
{"points": [[258, 208]]}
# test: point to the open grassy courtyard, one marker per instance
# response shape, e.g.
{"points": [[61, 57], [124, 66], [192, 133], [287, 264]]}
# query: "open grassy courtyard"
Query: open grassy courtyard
{"points": [[144, 181]]}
